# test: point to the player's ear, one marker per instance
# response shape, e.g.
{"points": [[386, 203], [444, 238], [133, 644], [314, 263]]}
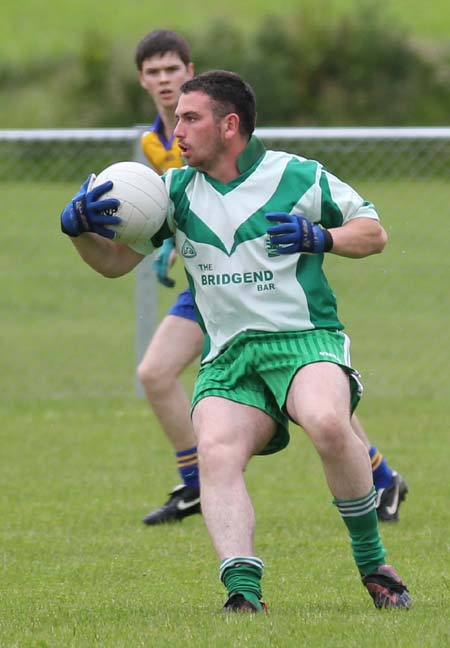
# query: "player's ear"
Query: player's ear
{"points": [[141, 79], [190, 70], [230, 125]]}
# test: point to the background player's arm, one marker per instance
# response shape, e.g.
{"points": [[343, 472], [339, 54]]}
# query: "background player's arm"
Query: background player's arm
{"points": [[164, 261]]}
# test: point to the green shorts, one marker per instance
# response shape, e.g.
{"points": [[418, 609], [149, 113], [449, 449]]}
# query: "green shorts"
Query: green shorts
{"points": [[258, 367]]}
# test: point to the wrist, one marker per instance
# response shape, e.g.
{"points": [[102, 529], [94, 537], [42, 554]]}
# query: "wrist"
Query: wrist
{"points": [[327, 241]]}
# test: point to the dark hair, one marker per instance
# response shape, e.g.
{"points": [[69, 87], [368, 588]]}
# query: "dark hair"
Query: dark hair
{"points": [[160, 41], [228, 93]]}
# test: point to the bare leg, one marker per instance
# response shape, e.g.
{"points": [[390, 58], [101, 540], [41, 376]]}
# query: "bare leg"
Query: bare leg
{"points": [[319, 400], [359, 431], [177, 342], [228, 435]]}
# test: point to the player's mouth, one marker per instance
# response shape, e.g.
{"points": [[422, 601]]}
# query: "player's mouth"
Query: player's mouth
{"points": [[166, 94]]}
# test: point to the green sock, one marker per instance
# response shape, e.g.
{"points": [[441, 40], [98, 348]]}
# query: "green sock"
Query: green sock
{"points": [[242, 575], [360, 517]]}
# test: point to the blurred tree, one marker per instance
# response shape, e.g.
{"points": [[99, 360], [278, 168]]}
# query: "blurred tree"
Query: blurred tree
{"points": [[358, 69]]}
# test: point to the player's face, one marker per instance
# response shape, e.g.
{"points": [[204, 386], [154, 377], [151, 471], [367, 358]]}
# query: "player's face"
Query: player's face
{"points": [[199, 133], [162, 75]]}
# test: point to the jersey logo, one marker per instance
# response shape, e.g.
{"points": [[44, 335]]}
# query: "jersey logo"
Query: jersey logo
{"points": [[188, 250], [270, 248]]}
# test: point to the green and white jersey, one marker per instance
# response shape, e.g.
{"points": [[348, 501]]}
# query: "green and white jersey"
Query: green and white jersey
{"points": [[238, 280]]}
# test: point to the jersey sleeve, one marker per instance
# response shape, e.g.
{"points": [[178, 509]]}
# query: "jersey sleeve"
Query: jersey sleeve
{"points": [[171, 222], [340, 203]]}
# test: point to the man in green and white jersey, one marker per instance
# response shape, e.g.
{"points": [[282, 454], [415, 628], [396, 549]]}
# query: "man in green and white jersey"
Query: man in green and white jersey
{"points": [[239, 278], [163, 59], [252, 227]]}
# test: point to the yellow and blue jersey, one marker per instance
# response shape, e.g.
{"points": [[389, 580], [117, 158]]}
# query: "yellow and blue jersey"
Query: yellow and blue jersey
{"points": [[161, 153], [164, 155]]}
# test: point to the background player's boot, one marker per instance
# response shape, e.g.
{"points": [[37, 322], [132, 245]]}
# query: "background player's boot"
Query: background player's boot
{"points": [[389, 499], [183, 501]]}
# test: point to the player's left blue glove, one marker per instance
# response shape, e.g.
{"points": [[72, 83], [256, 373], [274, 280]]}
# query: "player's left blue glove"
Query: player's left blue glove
{"points": [[86, 213], [295, 233], [162, 261]]}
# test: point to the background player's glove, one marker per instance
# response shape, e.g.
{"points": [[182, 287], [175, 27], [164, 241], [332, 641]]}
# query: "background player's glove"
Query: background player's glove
{"points": [[86, 213], [162, 264], [295, 233]]}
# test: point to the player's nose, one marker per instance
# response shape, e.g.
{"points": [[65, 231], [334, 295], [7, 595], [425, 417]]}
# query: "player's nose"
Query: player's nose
{"points": [[178, 130]]}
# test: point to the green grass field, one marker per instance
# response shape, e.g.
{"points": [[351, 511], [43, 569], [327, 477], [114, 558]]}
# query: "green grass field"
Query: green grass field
{"points": [[67, 24], [82, 459]]}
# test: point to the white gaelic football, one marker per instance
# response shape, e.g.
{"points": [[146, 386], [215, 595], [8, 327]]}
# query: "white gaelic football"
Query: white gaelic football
{"points": [[143, 200]]}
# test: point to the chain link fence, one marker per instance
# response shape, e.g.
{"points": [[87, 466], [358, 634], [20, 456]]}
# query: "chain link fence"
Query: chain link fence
{"points": [[395, 306]]}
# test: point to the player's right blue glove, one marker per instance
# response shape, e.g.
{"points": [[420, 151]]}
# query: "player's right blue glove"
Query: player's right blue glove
{"points": [[86, 213], [162, 262]]}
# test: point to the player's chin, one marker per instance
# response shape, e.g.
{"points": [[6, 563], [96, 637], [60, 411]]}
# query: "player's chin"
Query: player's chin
{"points": [[168, 100]]}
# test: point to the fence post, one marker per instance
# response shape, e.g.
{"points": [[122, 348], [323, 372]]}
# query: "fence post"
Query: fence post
{"points": [[146, 302]]}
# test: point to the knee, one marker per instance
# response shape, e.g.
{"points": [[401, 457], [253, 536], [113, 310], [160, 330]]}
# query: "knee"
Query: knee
{"points": [[210, 452], [329, 432], [153, 375], [217, 457]]}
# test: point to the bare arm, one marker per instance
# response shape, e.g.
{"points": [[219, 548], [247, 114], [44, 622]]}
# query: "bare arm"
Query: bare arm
{"points": [[358, 238], [105, 256]]}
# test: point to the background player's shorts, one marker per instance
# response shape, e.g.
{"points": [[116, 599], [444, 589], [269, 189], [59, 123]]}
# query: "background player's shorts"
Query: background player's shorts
{"points": [[258, 367], [184, 306]]}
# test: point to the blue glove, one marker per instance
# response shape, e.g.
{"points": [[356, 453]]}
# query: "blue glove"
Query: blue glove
{"points": [[86, 213], [161, 263], [296, 233]]}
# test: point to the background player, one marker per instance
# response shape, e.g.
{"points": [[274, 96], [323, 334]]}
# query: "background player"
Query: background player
{"points": [[164, 62]]}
